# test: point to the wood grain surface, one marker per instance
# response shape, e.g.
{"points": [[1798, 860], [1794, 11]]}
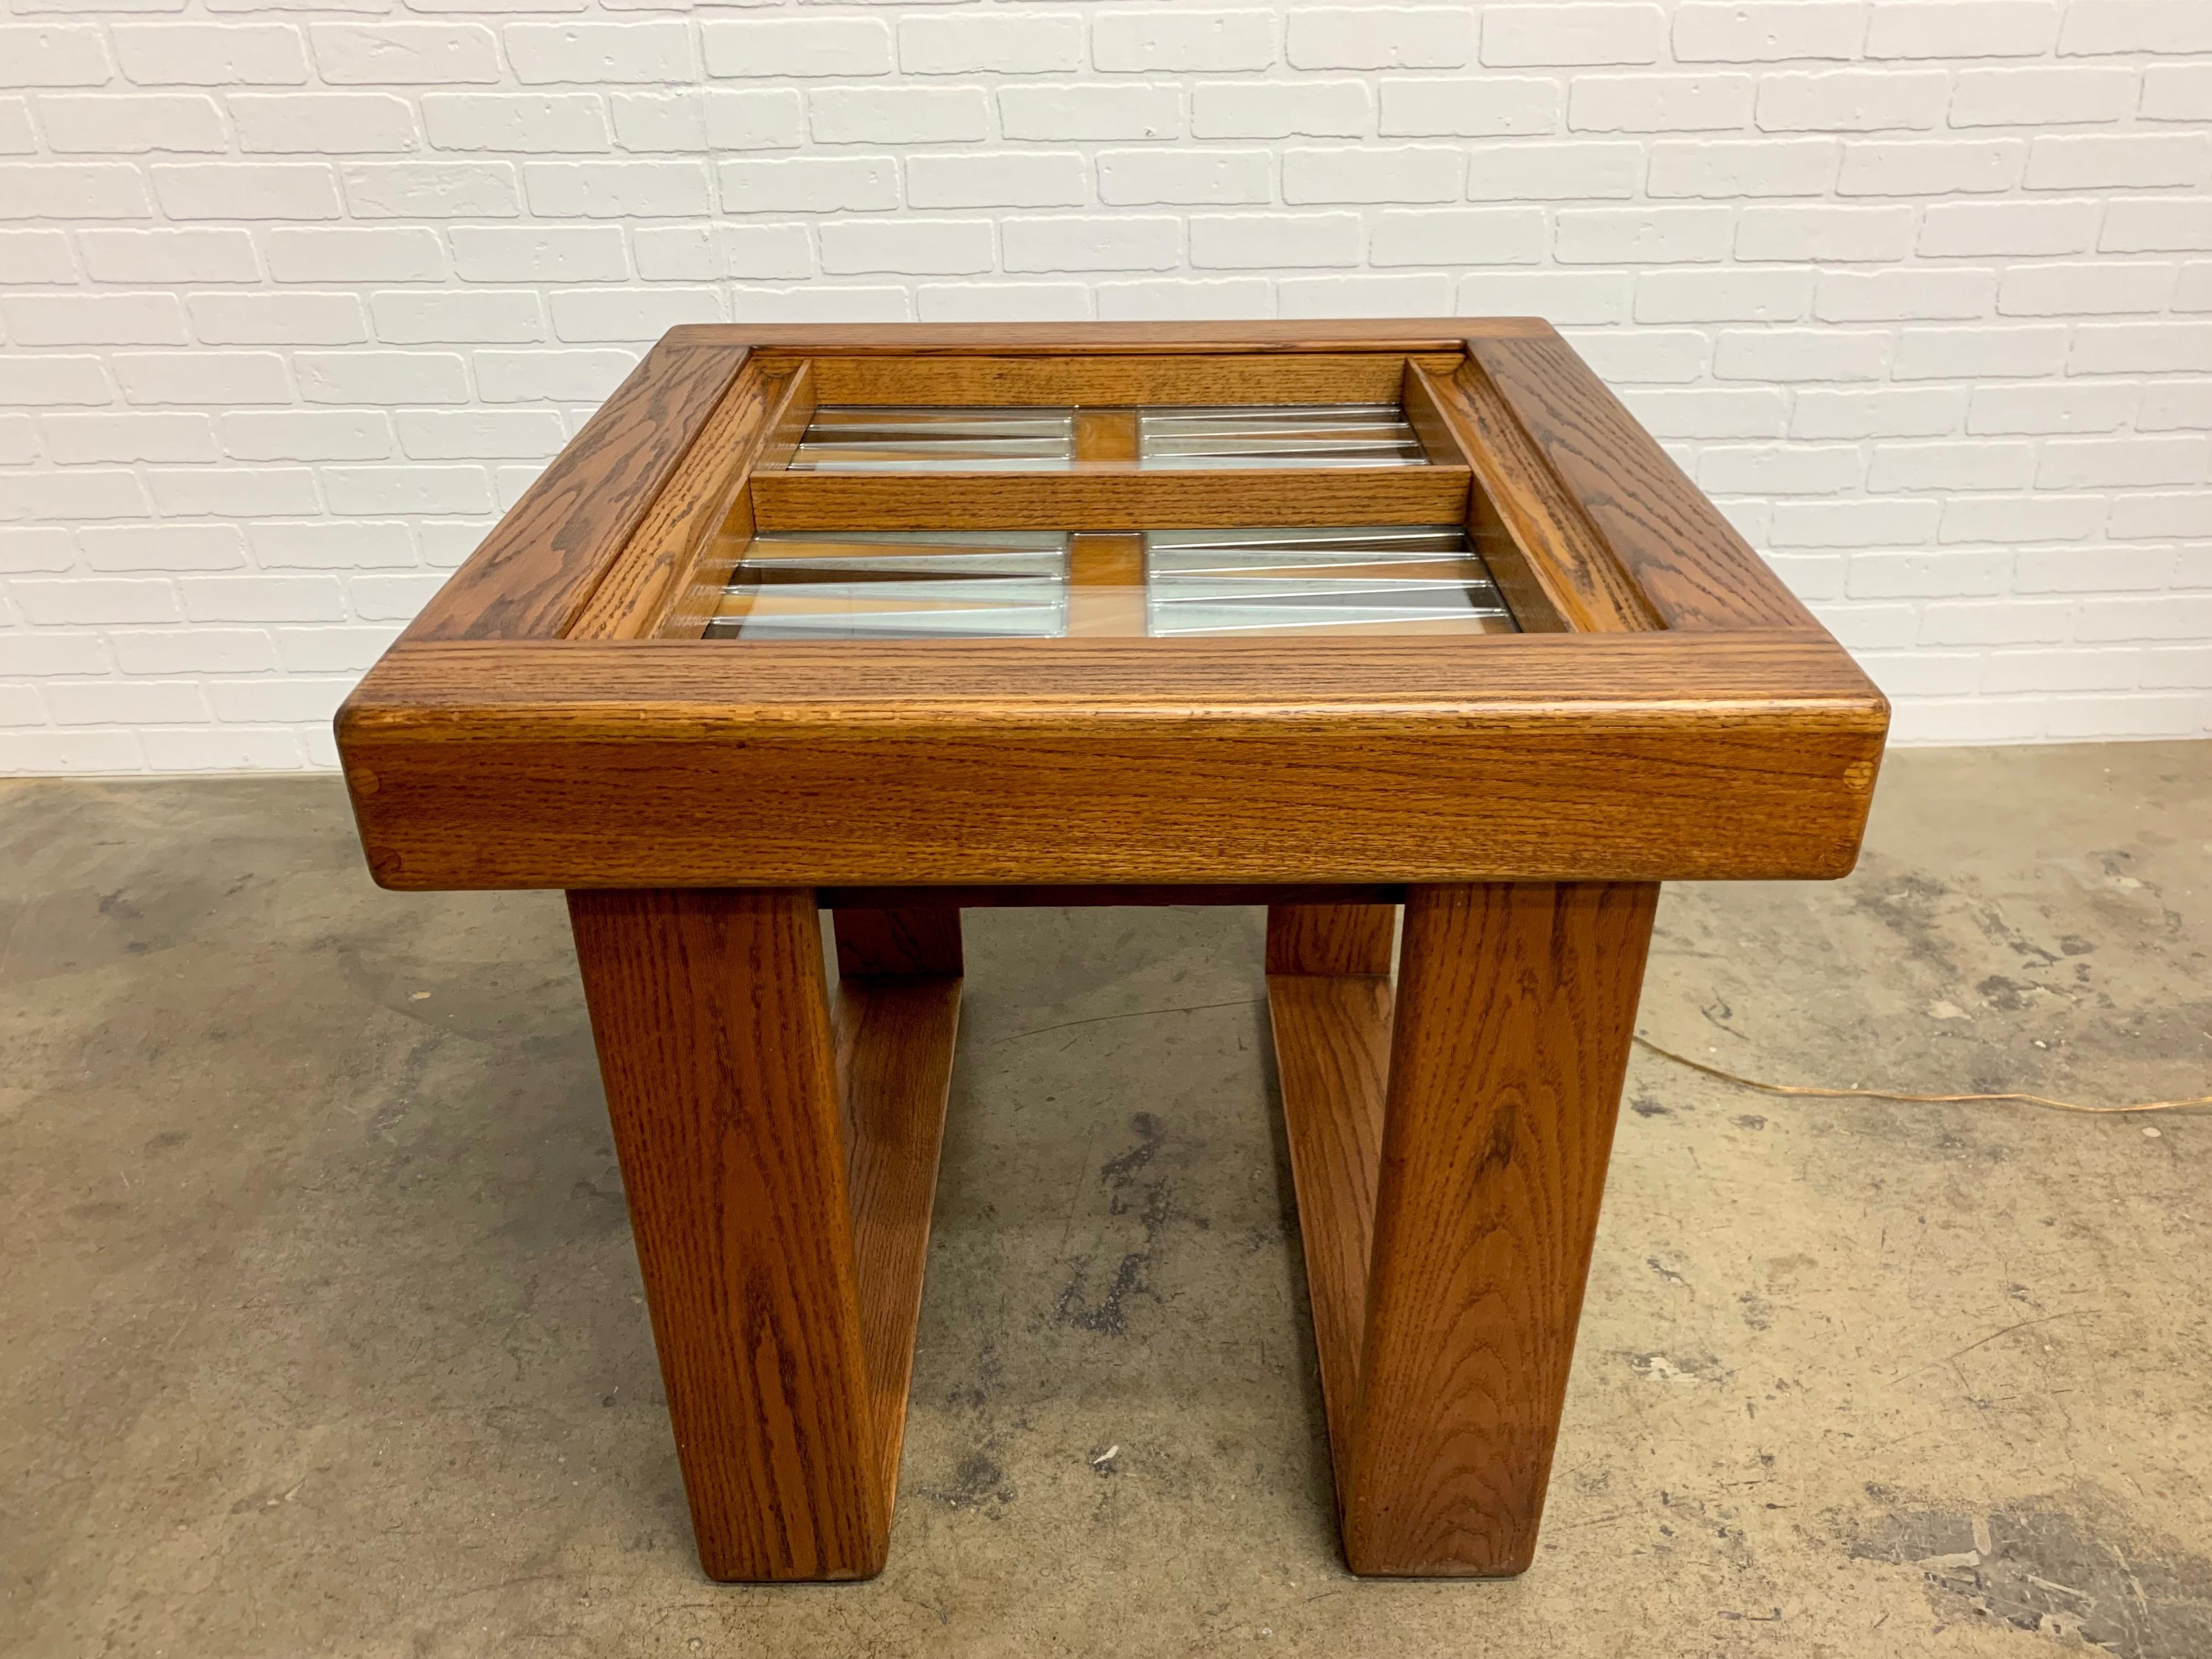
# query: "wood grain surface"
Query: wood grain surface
{"points": [[1691, 567], [716, 1047], [1402, 334], [1416, 399], [1106, 585], [1330, 939], [1329, 1005], [1119, 378], [1639, 756], [1546, 556], [1672, 713], [1332, 1039], [1108, 500], [796, 413], [1106, 438], [1515, 1003], [898, 938], [1008, 898], [657, 563], [703, 595], [546, 555], [895, 1039]]}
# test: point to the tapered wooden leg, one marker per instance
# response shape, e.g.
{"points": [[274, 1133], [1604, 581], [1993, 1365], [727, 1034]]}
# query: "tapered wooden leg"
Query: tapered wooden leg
{"points": [[737, 1146], [1508, 1043]]}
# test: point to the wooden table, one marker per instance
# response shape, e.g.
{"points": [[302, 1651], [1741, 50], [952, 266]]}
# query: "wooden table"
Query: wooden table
{"points": [[1342, 618]]}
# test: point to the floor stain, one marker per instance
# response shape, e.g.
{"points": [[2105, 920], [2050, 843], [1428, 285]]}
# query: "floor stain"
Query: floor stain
{"points": [[2051, 1570]]}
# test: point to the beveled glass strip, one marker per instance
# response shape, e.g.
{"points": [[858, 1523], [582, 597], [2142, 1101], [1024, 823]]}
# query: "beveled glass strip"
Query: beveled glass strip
{"points": [[1256, 619], [934, 460], [1172, 416], [867, 566], [994, 552], [1246, 459], [1440, 536], [793, 585], [912, 593], [827, 417], [963, 432], [1412, 567], [1361, 435], [1377, 579], [1270, 444], [770, 542], [1027, 622], [1445, 592], [1257, 434], [852, 438]]}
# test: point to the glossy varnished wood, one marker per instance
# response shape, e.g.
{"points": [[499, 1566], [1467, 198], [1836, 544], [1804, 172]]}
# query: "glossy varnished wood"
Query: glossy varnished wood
{"points": [[1416, 397], [550, 553], [1106, 438], [716, 1049], [662, 554], [1017, 898], [1106, 585], [895, 1033], [1515, 1003], [1242, 338], [1688, 566], [1798, 750], [1328, 1003], [1122, 378], [1544, 553], [1670, 712], [1331, 1042], [1103, 500], [1330, 939], [900, 935], [1114, 760]]}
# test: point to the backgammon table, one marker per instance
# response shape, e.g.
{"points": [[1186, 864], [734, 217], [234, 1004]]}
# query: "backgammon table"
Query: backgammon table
{"points": [[1406, 630]]}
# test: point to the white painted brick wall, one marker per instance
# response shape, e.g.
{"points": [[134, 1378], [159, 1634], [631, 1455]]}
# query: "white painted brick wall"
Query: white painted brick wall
{"points": [[295, 298]]}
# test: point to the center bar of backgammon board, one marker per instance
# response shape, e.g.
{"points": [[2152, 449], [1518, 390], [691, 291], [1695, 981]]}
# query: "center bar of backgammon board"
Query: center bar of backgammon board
{"points": [[1106, 568]]}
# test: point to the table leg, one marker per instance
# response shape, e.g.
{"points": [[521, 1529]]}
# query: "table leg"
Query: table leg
{"points": [[898, 1012], [1328, 1000], [718, 1051], [1508, 1043]]}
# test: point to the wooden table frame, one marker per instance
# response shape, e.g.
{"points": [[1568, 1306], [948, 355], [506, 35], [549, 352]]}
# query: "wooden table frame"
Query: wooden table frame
{"points": [[1670, 711]]}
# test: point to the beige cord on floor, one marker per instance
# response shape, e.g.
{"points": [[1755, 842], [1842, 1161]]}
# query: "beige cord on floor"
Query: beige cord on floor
{"points": [[1893, 1094]]}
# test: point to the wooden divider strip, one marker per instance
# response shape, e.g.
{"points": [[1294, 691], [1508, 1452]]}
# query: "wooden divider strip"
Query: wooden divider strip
{"points": [[650, 576], [1548, 559], [1655, 535], [550, 554], [1110, 501], [1120, 378]]}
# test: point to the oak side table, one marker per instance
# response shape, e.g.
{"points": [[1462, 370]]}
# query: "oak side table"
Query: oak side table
{"points": [[1336, 617]]}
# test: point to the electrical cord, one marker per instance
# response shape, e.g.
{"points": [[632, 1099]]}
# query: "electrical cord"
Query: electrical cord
{"points": [[1894, 1094]]}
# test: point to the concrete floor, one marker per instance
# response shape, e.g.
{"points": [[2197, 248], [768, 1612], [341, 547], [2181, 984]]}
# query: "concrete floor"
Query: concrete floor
{"points": [[320, 1332]]}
